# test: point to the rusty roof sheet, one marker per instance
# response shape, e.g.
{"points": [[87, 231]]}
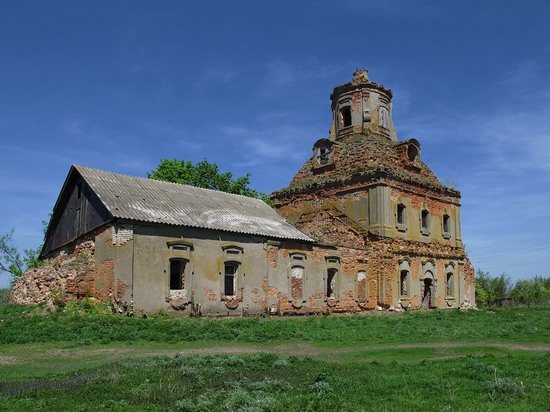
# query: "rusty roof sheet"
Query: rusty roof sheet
{"points": [[154, 201]]}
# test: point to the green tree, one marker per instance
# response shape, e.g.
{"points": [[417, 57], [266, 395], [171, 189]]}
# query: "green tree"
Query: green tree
{"points": [[491, 290], [531, 291], [10, 258], [206, 175], [483, 288]]}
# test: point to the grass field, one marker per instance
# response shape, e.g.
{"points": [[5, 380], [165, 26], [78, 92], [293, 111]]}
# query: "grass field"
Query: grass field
{"points": [[82, 359]]}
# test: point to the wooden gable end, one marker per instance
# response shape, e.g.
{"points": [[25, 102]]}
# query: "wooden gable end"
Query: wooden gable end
{"points": [[77, 212]]}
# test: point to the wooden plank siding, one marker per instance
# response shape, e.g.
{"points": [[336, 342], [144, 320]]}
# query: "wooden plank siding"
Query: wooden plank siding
{"points": [[78, 211]]}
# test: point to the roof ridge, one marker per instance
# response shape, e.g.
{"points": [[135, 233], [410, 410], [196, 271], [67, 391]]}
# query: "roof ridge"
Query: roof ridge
{"points": [[156, 201], [165, 182]]}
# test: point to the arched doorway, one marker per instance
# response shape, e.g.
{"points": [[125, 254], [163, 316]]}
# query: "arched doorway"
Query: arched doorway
{"points": [[427, 287]]}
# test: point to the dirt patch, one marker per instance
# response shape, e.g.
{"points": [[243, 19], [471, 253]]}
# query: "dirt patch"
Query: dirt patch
{"points": [[301, 349], [9, 360]]}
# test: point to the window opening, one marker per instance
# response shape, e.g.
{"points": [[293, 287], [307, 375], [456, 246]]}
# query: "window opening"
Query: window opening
{"points": [[177, 270], [403, 283], [446, 223], [425, 219], [324, 155], [230, 277], [331, 282], [346, 116], [412, 152], [401, 214]]}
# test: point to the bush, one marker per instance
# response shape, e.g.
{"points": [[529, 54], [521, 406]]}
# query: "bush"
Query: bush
{"points": [[320, 387], [4, 296]]}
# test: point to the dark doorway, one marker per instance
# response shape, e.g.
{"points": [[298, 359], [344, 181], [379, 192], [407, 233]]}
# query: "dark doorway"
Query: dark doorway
{"points": [[428, 294], [177, 271]]}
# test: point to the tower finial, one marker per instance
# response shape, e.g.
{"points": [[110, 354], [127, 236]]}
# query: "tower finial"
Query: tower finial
{"points": [[360, 76]]}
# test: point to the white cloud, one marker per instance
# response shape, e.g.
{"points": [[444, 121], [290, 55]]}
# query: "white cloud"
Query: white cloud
{"points": [[271, 145], [213, 77], [280, 75]]}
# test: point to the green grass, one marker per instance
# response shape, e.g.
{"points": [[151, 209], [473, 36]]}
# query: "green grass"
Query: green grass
{"points": [[267, 382], [84, 359], [20, 324]]}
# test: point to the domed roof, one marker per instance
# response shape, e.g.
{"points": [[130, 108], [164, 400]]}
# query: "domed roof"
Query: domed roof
{"points": [[363, 157]]}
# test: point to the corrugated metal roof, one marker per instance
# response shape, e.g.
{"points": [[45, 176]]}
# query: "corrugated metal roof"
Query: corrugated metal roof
{"points": [[154, 201]]}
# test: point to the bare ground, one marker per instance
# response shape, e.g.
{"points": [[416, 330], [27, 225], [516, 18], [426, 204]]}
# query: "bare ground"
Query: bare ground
{"points": [[441, 350]]}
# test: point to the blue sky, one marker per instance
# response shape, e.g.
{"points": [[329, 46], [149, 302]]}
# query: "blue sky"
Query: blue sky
{"points": [[119, 85]]}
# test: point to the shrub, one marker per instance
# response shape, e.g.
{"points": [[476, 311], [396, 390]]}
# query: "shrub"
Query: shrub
{"points": [[320, 387], [505, 386], [270, 385]]}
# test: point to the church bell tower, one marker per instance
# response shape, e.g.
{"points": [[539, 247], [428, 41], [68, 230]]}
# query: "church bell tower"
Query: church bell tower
{"points": [[361, 106]]}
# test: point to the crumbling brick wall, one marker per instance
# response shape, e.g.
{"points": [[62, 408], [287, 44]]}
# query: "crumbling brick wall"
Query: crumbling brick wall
{"points": [[69, 273]]}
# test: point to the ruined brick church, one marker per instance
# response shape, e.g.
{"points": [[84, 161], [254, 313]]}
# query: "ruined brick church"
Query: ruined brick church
{"points": [[364, 224]]}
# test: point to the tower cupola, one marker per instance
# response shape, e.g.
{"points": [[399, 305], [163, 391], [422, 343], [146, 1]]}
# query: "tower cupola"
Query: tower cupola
{"points": [[361, 106]]}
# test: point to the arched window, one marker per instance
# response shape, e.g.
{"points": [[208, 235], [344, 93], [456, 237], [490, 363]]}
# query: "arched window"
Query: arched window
{"points": [[404, 279], [412, 152], [428, 285], [323, 153]]}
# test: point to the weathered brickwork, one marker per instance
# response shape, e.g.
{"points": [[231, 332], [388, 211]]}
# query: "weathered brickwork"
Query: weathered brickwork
{"points": [[396, 227], [71, 273], [386, 236]]}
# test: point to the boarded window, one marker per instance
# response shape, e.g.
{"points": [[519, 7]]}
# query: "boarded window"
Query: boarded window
{"points": [[230, 279], [384, 117], [404, 283], [362, 291], [297, 282], [331, 282], [450, 284], [177, 271]]}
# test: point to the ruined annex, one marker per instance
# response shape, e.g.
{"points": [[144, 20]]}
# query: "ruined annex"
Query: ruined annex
{"points": [[363, 225]]}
